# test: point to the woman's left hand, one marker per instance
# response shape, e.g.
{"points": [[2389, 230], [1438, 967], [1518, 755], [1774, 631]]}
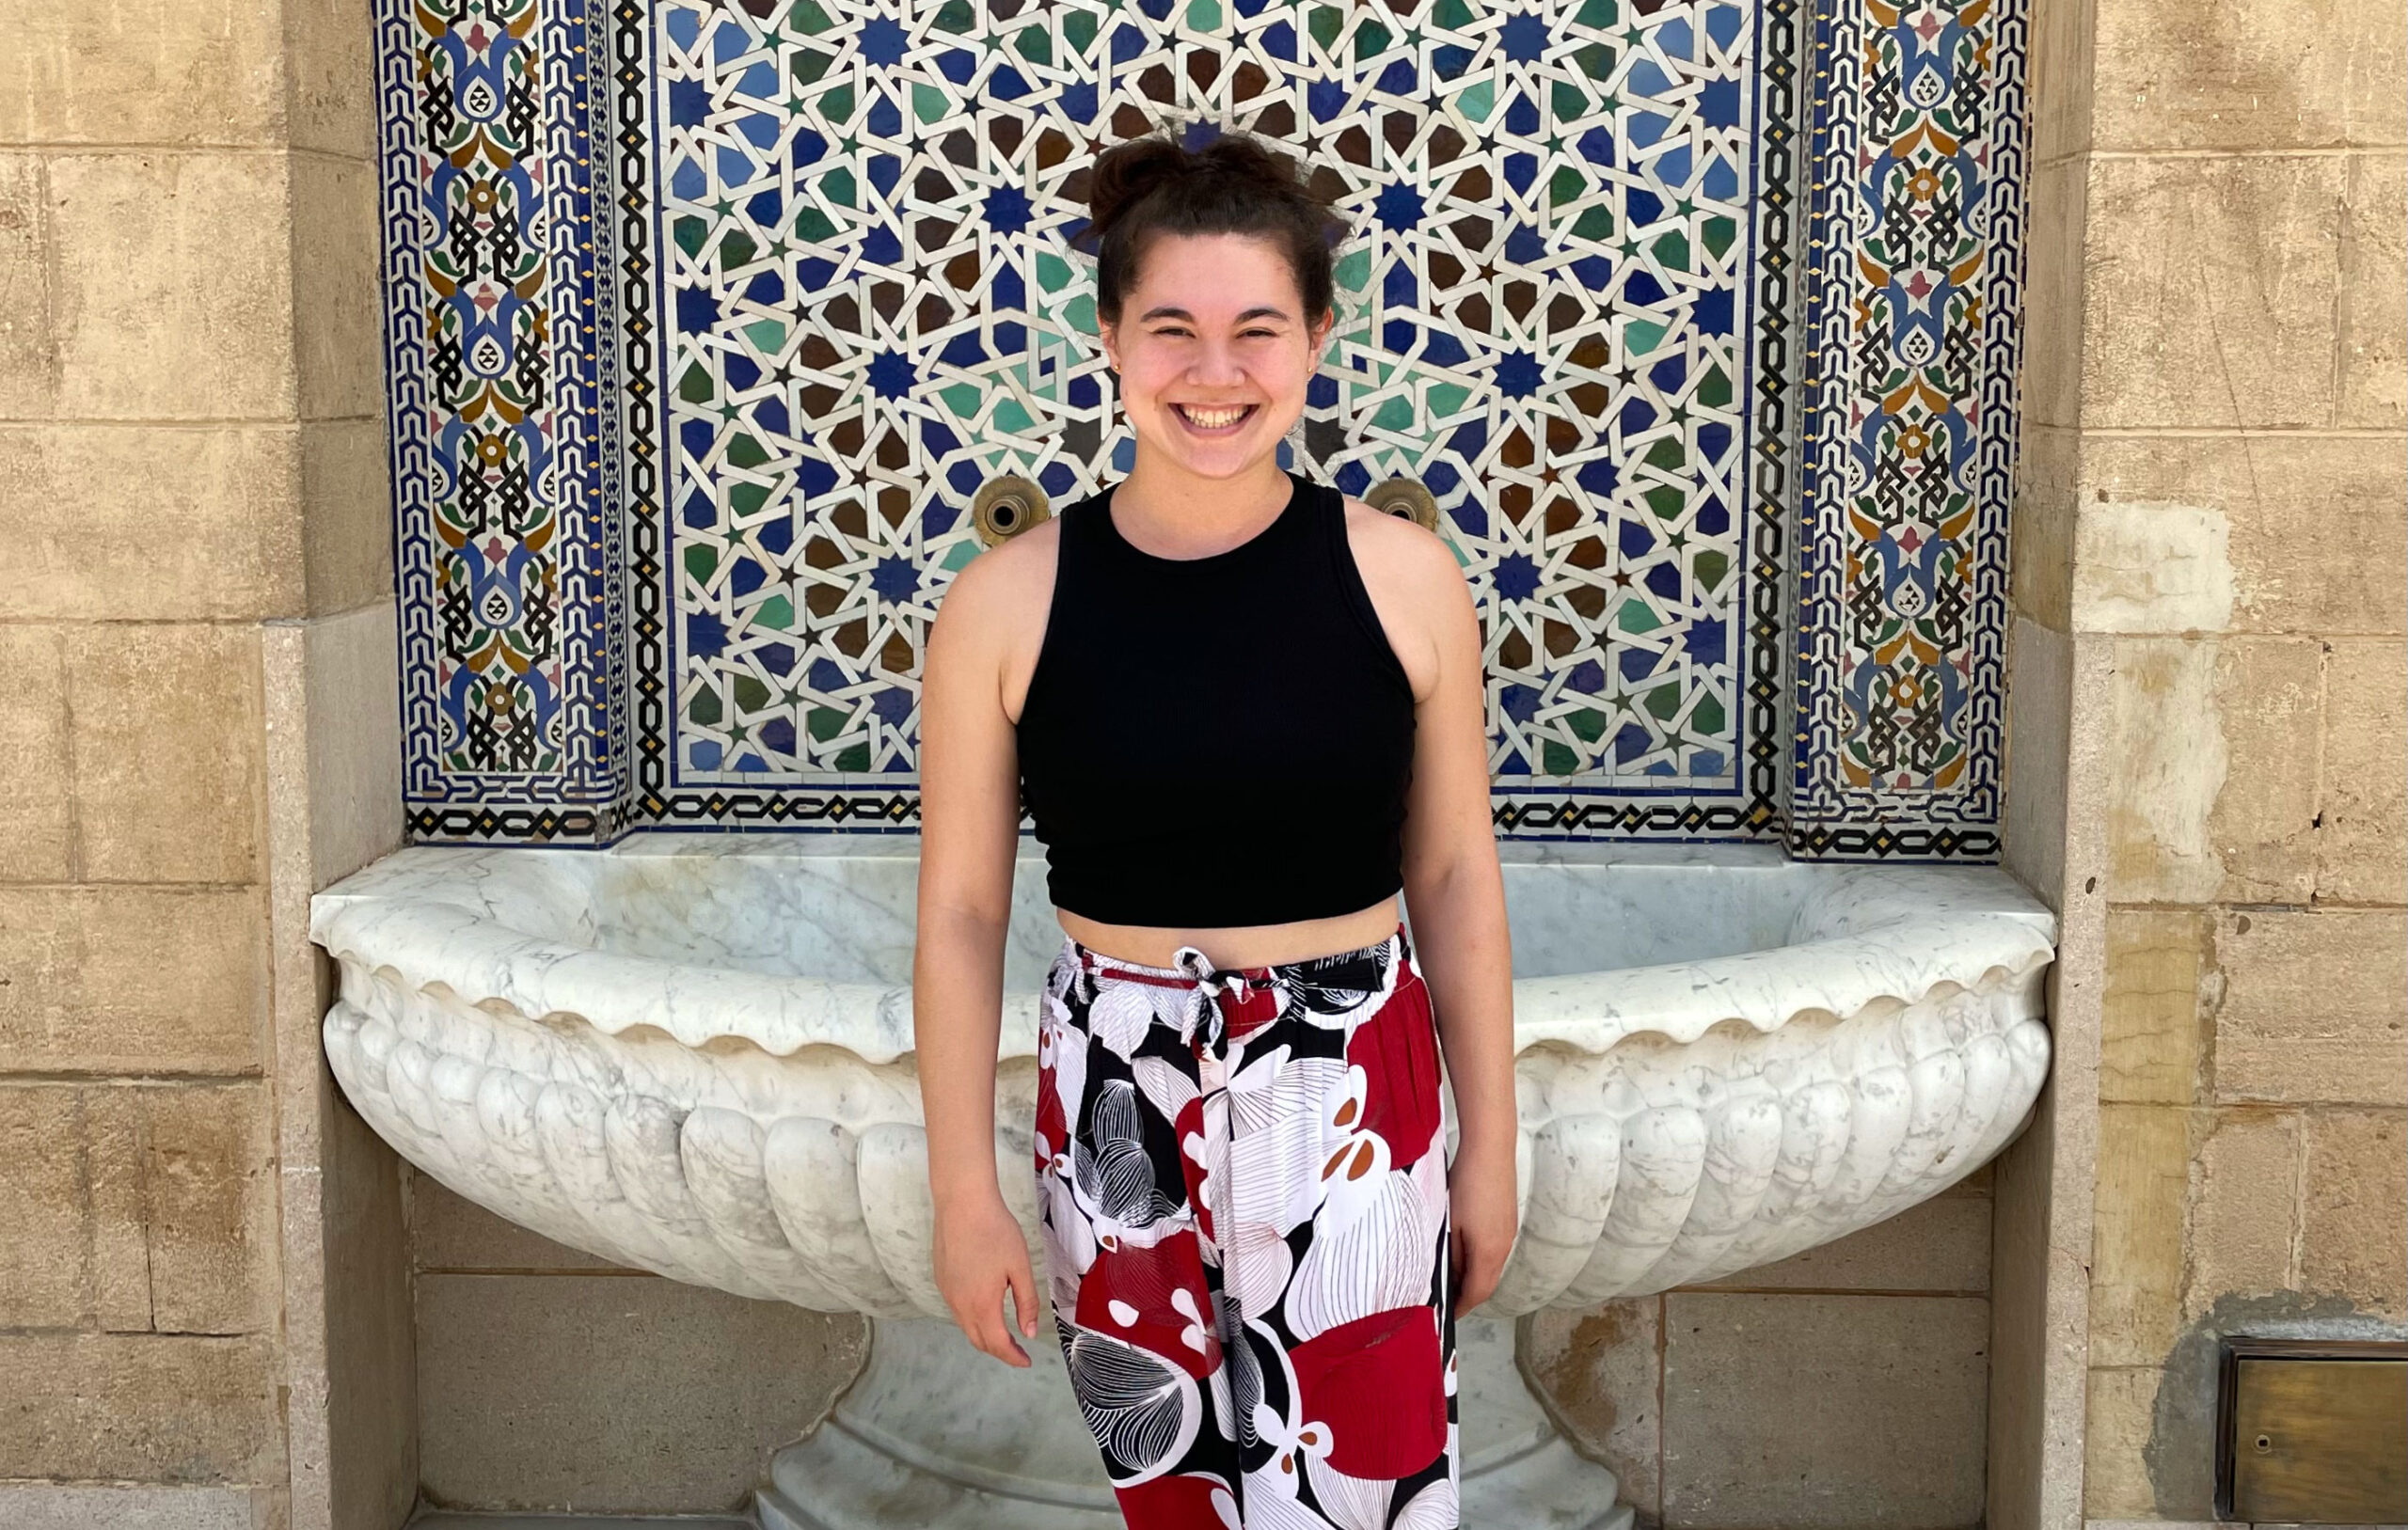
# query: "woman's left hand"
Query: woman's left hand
{"points": [[1483, 1216]]}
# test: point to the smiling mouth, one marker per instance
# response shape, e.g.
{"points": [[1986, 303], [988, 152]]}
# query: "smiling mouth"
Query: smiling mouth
{"points": [[1214, 422]]}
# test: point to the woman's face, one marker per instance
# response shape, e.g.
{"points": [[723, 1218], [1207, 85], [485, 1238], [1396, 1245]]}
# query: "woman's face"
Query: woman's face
{"points": [[1214, 351]]}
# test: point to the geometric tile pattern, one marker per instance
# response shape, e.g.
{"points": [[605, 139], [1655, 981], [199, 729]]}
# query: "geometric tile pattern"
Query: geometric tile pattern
{"points": [[1543, 319], [677, 499]]}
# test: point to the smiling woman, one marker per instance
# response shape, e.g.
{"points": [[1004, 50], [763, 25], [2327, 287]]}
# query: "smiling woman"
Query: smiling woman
{"points": [[1245, 713]]}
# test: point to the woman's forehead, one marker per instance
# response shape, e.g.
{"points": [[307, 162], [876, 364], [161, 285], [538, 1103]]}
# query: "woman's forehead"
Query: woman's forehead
{"points": [[1214, 276]]}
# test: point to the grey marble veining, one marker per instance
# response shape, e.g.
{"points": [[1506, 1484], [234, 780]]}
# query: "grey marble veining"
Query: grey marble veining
{"points": [[691, 1053]]}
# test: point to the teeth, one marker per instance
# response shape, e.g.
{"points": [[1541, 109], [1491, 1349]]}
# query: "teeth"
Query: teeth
{"points": [[1214, 420]]}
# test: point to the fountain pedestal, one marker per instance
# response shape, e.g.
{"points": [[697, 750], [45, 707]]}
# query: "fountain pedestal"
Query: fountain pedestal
{"points": [[937, 1436]]}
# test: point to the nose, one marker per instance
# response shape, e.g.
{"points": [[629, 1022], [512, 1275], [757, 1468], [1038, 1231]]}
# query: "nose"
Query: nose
{"points": [[1216, 365]]}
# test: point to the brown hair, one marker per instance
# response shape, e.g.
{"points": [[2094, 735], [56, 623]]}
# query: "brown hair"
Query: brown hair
{"points": [[1235, 184]]}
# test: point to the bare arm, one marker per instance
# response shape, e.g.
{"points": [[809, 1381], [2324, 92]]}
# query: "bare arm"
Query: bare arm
{"points": [[970, 827], [1456, 894]]}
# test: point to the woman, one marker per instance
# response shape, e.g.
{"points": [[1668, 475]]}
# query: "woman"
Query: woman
{"points": [[1246, 713]]}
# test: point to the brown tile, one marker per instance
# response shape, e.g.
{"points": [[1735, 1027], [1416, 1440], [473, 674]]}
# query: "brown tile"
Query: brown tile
{"points": [[174, 298], [1603, 1369], [2245, 1210], [2312, 1010], [2209, 291], [1878, 1402], [2136, 1233], [28, 349], [35, 795], [2353, 1234], [112, 979], [224, 497], [142, 1408], [151, 71], [521, 1408], [2362, 819], [167, 737]]}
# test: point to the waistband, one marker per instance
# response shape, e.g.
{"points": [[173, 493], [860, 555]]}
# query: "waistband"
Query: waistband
{"points": [[1194, 968]]}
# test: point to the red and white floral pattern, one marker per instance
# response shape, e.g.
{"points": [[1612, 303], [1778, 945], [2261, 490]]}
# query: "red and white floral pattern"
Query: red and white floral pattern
{"points": [[1242, 1180]]}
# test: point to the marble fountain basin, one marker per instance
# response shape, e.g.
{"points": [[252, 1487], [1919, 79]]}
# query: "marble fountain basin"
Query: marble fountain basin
{"points": [[691, 1053]]}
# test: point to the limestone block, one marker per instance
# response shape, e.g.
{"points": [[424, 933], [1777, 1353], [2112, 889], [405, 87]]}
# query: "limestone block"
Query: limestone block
{"points": [[2209, 291], [50, 1505], [42, 1257], [1604, 1370], [2313, 1006], [28, 358], [2363, 823], [2316, 528], [2054, 296], [35, 802], [112, 1146], [226, 498], [2152, 1036], [2244, 1209], [2046, 479], [2374, 301], [1941, 1245], [2058, 73], [2245, 75], [151, 71], [2136, 1233], [2141, 567], [2119, 1412], [154, 1407], [330, 99], [167, 734], [1863, 1411], [2214, 797], [346, 514], [337, 318], [132, 980], [523, 1406], [2353, 1240], [209, 1180], [175, 285]]}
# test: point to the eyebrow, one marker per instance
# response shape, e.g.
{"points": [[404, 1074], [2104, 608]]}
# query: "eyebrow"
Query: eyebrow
{"points": [[1182, 313]]}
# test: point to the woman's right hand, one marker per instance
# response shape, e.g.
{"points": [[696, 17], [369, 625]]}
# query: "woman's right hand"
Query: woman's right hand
{"points": [[979, 1253]]}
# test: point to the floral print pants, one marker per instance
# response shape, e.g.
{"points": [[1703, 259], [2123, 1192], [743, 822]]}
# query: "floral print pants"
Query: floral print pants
{"points": [[1241, 1174]]}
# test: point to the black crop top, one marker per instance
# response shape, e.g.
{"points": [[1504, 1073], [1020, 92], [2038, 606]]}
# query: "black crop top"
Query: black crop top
{"points": [[1216, 741]]}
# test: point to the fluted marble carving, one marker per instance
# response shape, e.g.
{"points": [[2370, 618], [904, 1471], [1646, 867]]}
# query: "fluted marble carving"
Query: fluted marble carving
{"points": [[692, 1055]]}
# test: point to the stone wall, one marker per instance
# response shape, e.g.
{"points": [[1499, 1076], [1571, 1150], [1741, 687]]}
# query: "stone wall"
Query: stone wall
{"points": [[2211, 571], [196, 651]]}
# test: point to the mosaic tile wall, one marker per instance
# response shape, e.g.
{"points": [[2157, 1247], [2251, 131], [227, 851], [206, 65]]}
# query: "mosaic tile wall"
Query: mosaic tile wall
{"points": [[708, 319]]}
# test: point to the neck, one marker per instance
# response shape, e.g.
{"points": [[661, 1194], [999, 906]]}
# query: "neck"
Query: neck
{"points": [[1163, 508]]}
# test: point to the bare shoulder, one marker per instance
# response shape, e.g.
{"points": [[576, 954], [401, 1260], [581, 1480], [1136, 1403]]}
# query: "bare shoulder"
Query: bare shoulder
{"points": [[1396, 555], [998, 589]]}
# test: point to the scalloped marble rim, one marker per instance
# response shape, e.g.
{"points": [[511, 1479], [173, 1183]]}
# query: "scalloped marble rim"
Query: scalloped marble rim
{"points": [[1897, 933]]}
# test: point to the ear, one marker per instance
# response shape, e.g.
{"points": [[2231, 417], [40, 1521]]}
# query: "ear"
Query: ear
{"points": [[1320, 333], [1110, 336]]}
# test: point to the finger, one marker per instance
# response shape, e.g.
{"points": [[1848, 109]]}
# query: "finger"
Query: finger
{"points": [[1025, 1296]]}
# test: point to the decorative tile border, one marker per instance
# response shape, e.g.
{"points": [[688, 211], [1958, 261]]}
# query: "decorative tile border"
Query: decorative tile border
{"points": [[1914, 306], [816, 329]]}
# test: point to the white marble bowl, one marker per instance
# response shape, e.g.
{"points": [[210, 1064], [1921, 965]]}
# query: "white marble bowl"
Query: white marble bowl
{"points": [[691, 1053]]}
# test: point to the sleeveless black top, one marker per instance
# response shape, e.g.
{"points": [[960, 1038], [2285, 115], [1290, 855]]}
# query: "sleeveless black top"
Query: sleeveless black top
{"points": [[1216, 741]]}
